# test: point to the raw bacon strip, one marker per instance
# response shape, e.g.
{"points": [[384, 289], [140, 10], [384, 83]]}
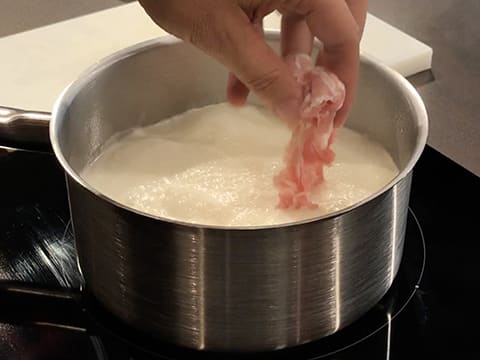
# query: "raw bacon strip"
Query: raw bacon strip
{"points": [[309, 149]]}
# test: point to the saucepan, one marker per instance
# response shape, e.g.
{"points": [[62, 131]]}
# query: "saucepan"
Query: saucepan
{"points": [[213, 287]]}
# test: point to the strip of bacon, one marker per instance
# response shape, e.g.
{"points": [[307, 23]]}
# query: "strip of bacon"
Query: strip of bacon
{"points": [[309, 149]]}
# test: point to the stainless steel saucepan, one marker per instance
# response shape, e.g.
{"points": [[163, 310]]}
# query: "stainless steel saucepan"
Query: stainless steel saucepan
{"points": [[223, 288]]}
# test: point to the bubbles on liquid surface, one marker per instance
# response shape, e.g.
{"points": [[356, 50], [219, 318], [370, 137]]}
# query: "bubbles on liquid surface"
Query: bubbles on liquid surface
{"points": [[215, 166]]}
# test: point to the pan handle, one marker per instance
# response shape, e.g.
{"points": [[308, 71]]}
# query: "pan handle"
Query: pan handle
{"points": [[32, 304], [25, 129]]}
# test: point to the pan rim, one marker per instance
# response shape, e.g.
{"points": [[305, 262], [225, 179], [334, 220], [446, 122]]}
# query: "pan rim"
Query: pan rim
{"points": [[69, 93]]}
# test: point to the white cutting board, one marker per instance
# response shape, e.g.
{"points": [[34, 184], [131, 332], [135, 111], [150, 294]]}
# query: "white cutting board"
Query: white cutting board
{"points": [[36, 65]]}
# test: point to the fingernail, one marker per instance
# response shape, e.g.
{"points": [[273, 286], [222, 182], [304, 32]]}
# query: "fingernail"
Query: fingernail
{"points": [[288, 111]]}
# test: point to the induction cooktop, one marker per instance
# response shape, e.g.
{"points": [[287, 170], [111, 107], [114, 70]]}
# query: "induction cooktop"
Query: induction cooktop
{"points": [[430, 310]]}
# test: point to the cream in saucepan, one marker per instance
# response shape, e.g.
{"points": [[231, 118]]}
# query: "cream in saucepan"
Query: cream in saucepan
{"points": [[215, 166]]}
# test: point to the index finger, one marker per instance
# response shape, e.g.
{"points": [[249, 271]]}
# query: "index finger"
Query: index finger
{"points": [[333, 24]]}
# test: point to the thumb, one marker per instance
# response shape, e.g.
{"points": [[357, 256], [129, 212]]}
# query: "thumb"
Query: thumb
{"points": [[224, 31], [235, 42]]}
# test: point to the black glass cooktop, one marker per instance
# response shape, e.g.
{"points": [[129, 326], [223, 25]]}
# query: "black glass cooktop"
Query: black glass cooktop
{"points": [[430, 310]]}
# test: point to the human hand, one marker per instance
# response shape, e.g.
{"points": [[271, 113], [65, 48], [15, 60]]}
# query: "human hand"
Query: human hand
{"points": [[231, 32]]}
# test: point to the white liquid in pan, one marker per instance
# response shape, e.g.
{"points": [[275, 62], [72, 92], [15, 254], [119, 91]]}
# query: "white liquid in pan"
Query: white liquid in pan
{"points": [[215, 166]]}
